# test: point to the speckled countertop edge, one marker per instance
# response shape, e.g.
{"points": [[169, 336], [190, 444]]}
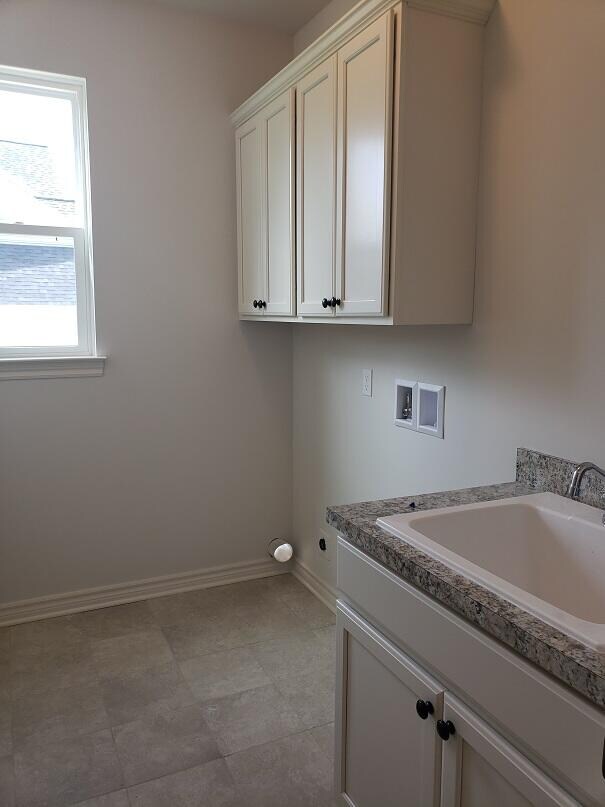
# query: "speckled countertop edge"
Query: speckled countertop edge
{"points": [[578, 666]]}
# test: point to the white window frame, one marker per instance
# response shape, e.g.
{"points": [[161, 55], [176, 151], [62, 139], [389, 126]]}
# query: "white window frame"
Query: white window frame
{"points": [[73, 89]]}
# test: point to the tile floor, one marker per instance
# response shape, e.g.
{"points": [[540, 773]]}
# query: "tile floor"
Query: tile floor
{"points": [[215, 698]]}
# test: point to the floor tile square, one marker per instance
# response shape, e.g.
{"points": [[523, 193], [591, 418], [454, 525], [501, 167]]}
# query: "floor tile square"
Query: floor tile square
{"points": [[132, 695], [58, 714], [264, 620], [118, 620], [309, 609], [163, 743], [190, 639], [284, 585], [5, 675], [44, 641], [7, 782], [176, 609], [119, 798], [6, 735], [288, 656], [311, 695], [250, 718], [226, 673], [290, 772], [210, 784], [64, 668], [5, 642], [135, 651], [324, 737], [66, 772]]}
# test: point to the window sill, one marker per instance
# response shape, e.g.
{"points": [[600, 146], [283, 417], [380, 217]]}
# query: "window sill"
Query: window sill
{"points": [[56, 367]]}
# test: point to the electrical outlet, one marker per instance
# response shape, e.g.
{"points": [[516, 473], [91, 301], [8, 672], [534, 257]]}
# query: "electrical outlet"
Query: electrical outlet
{"points": [[366, 383], [323, 544]]}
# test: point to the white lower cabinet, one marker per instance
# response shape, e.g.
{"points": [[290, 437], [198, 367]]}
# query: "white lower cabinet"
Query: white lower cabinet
{"points": [[387, 754], [480, 768], [402, 740]]}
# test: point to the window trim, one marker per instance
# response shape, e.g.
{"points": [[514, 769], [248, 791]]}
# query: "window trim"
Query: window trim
{"points": [[72, 88]]}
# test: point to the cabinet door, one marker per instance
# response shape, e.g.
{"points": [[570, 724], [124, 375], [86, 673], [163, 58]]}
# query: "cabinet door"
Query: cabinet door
{"points": [[277, 166], [480, 768], [385, 753], [365, 102], [316, 188], [250, 251]]}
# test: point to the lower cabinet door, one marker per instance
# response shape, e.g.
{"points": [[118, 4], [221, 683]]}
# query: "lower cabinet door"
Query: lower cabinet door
{"points": [[480, 768], [387, 748]]}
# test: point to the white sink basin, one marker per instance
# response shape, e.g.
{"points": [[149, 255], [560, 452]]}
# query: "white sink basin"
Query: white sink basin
{"points": [[542, 552]]}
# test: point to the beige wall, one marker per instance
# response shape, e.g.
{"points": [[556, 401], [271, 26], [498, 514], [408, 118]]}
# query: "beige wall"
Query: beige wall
{"points": [[180, 457], [530, 371], [323, 20]]}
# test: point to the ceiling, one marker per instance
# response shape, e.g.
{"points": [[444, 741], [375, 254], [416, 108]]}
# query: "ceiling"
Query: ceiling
{"points": [[283, 15]]}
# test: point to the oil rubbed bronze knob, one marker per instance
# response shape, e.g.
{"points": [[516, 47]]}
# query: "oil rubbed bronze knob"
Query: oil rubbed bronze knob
{"points": [[424, 709], [325, 302], [334, 302], [445, 729], [255, 303]]}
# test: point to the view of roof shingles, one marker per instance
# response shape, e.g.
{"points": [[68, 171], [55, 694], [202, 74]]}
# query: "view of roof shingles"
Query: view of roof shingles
{"points": [[34, 165], [36, 274]]}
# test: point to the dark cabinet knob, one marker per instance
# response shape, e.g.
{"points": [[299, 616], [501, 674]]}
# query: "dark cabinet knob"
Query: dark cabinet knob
{"points": [[334, 302], [445, 729], [424, 709], [262, 304], [325, 302], [255, 303]]}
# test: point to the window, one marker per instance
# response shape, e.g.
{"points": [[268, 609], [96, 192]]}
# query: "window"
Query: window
{"points": [[46, 291]]}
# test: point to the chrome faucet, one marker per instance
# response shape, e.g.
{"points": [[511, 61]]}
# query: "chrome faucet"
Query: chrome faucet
{"points": [[578, 474]]}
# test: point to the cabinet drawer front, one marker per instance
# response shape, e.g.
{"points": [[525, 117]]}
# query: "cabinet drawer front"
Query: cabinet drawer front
{"points": [[558, 729], [386, 754]]}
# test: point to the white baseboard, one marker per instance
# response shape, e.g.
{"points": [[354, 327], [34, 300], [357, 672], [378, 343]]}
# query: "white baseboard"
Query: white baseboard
{"points": [[13, 613], [322, 590]]}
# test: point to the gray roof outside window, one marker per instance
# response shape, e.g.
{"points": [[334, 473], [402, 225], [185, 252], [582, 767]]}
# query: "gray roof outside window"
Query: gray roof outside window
{"points": [[36, 274]]}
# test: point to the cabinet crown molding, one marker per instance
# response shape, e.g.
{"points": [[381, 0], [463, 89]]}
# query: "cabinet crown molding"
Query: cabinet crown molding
{"points": [[476, 11]]}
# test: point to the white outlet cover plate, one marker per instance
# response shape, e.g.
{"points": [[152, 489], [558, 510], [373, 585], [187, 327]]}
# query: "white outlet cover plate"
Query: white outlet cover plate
{"points": [[366, 383]]}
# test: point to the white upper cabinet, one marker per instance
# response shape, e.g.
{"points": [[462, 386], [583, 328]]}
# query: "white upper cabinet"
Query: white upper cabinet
{"points": [[387, 108], [316, 188], [252, 280], [365, 98], [265, 210], [277, 167]]}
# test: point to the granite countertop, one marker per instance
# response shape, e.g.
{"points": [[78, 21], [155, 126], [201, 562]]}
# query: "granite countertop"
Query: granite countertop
{"points": [[578, 666]]}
